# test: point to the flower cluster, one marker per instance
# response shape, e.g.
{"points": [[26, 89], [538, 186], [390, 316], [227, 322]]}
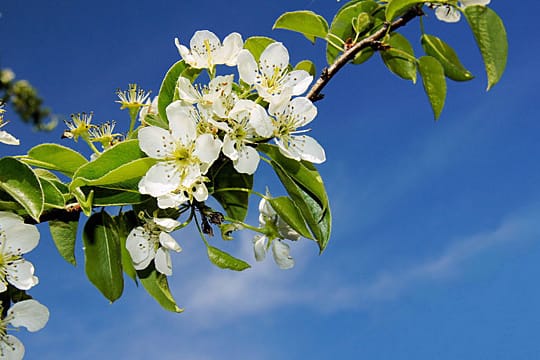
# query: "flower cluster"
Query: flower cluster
{"points": [[228, 119], [16, 239], [451, 14]]}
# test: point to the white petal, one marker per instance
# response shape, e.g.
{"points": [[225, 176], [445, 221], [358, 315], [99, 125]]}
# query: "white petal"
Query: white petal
{"points": [[303, 110], [261, 122], [232, 45], [9, 218], [247, 161], [229, 148], [277, 102], [171, 200], [186, 91], [475, 2], [160, 179], [184, 51], [168, 242], [259, 247], [274, 56], [156, 142], [139, 247], [181, 122], [280, 252], [298, 81], [11, 348], [21, 274], [163, 262], [200, 192], [307, 148], [266, 209], [3, 286], [447, 14], [8, 139], [166, 224], [207, 148], [286, 231], [247, 67], [30, 314], [21, 238]]}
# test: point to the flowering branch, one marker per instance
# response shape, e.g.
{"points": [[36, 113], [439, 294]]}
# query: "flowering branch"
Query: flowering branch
{"points": [[373, 41]]}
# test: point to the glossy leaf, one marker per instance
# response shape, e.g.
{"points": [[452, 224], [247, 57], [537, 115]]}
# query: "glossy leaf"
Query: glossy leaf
{"points": [[235, 203], [398, 7], [114, 197], [224, 260], [434, 82], [257, 44], [52, 196], [342, 25], [453, 69], [308, 23], [308, 66], [64, 235], [21, 183], [157, 285], [55, 157], [103, 264], [286, 209], [399, 58], [490, 35]]}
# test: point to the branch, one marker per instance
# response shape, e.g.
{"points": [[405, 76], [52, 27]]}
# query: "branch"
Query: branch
{"points": [[70, 213], [373, 40]]}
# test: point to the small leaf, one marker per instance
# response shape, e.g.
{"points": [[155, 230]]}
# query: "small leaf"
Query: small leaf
{"points": [[399, 58], [306, 65], [22, 184], [156, 284], [286, 209], [103, 264], [363, 56], [398, 7], [257, 44], [448, 58], [64, 234], [55, 157], [434, 82], [308, 23], [490, 35], [235, 203], [225, 261]]}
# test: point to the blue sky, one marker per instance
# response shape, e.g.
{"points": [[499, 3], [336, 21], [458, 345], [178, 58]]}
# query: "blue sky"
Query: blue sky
{"points": [[434, 252]]}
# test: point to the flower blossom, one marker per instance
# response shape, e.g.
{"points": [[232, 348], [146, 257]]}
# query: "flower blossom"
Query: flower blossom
{"points": [[153, 242], [271, 76], [6, 137], [206, 50], [28, 313], [212, 99], [298, 112], [16, 239], [184, 157], [450, 14], [269, 219]]}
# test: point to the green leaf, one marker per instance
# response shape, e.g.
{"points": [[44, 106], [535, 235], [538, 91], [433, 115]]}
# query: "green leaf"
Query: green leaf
{"points": [[453, 69], [225, 261], [156, 284], [52, 196], [306, 65], [286, 209], [18, 180], [398, 7], [490, 35], [126, 221], [434, 82], [363, 56], [114, 197], [64, 234], [155, 120], [55, 157], [399, 58], [342, 25], [235, 203], [103, 264], [257, 44], [308, 23], [168, 86]]}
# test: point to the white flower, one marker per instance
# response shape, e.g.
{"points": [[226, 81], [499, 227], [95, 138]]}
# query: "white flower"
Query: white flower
{"points": [[271, 76], [298, 112], [16, 238], [450, 14], [28, 313], [153, 242], [150, 107], [133, 97], [248, 121], [268, 218], [184, 155], [207, 51], [6, 137], [213, 98]]}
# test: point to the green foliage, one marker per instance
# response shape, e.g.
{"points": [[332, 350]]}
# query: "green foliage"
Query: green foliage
{"points": [[55, 157], [398, 7], [235, 203], [224, 260], [432, 73], [286, 209], [157, 285], [64, 235], [257, 44], [306, 65], [447, 57], [308, 23], [490, 35], [103, 264], [399, 57]]}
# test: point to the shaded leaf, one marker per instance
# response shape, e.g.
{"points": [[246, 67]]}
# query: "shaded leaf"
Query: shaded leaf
{"points": [[126, 221], [286, 209], [399, 58], [64, 235], [235, 203]]}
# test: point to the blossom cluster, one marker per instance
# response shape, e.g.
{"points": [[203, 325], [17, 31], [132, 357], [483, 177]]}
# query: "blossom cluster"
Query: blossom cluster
{"points": [[16, 239], [452, 14]]}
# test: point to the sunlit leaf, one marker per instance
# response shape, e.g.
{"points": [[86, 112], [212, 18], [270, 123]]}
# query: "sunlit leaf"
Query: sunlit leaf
{"points": [[225, 261], [448, 58], [434, 82], [308, 23], [399, 57], [257, 44], [55, 157]]}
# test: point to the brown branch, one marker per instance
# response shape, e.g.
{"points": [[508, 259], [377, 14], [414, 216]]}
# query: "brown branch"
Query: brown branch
{"points": [[373, 40]]}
